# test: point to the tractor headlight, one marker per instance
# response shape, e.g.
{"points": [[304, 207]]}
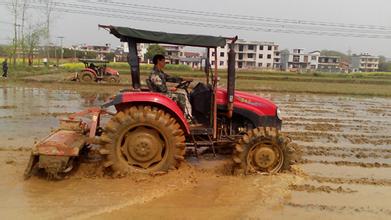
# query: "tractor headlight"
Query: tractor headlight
{"points": [[278, 114]]}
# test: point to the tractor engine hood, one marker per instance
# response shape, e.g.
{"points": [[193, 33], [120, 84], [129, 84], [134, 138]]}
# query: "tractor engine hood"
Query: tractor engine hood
{"points": [[250, 102]]}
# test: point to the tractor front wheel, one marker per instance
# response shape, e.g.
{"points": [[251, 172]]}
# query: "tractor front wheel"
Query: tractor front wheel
{"points": [[263, 150], [112, 79], [142, 139]]}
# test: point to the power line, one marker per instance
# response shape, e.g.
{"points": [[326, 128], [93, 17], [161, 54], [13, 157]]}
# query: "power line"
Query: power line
{"points": [[220, 21], [95, 12], [242, 17]]}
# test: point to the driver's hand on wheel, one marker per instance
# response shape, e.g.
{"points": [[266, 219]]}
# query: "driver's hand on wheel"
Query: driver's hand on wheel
{"points": [[187, 79]]}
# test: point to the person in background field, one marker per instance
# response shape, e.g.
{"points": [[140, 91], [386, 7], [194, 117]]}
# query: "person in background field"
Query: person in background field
{"points": [[5, 68], [158, 80]]}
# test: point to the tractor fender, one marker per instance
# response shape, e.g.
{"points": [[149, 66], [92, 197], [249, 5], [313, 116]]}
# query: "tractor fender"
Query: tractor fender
{"points": [[126, 99], [89, 70]]}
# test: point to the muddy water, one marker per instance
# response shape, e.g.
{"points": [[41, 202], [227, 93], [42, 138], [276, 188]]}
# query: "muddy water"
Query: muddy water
{"points": [[346, 143], [345, 172], [28, 114]]}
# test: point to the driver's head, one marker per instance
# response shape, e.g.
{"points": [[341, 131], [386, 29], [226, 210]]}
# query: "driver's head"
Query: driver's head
{"points": [[159, 61]]}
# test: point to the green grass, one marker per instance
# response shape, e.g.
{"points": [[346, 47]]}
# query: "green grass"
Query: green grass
{"points": [[373, 84]]}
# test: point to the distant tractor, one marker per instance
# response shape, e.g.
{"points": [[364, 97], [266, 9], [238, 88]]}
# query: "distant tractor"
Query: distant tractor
{"points": [[97, 70], [147, 131]]}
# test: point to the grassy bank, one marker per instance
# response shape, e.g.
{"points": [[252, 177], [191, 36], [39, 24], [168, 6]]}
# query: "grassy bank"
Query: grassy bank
{"points": [[372, 84]]}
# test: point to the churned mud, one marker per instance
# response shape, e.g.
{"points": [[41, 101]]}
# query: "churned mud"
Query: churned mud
{"points": [[344, 172]]}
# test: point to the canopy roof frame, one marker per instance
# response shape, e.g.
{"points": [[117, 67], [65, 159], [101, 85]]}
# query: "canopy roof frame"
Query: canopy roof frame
{"points": [[144, 36]]}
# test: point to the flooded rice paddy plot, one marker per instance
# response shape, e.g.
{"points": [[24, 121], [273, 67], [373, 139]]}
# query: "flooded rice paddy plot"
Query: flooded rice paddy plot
{"points": [[346, 143], [28, 114], [345, 173]]}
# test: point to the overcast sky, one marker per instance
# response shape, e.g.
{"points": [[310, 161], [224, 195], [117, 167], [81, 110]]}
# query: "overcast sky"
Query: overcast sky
{"points": [[83, 28]]}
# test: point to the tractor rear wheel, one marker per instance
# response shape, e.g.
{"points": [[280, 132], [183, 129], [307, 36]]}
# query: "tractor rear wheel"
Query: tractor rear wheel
{"points": [[263, 150], [142, 139], [86, 77]]}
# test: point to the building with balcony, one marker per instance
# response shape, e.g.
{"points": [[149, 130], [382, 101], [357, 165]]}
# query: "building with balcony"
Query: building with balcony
{"points": [[192, 59], [298, 60], [329, 64], [249, 55], [365, 63], [173, 53]]}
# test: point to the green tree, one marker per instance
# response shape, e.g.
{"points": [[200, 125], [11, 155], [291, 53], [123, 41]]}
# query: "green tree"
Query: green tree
{"points": [[384, 66], [344, 57], [153, 50], [32, 40]]}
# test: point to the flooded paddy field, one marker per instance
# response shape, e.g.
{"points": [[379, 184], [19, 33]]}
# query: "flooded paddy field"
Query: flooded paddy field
{"points": [[344, 172]]}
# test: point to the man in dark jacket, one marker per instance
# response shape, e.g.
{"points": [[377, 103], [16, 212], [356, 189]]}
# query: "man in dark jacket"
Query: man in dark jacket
{"points": [[5, 68], [158, 80]]}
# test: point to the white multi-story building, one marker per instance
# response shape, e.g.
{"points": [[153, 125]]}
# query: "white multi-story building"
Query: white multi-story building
{"points": [[365, 63], [299, 60], [249, 55]]}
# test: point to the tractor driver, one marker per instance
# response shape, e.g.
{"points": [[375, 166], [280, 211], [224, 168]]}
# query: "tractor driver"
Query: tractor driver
{"points": [[158, 80]]}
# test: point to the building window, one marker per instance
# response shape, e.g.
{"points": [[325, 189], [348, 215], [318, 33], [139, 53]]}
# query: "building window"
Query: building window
{"points": [[221, 54], [250, 55], [259, 64], [260, 56], [313, 58], [269, 65], [213, 62], [269, 56], [222, 47], [240, 47], [240, 56], [221, 63], [250, 47], [261, 47], [213, 54], [269, 48]]}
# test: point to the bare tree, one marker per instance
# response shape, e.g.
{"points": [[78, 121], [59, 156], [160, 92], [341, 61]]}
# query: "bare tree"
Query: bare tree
{"points": [[48, 12], [33, 38], [14, 8], [24, 8]]}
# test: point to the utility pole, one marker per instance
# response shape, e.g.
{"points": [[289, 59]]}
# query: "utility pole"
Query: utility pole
{"points": [[61, 45]]}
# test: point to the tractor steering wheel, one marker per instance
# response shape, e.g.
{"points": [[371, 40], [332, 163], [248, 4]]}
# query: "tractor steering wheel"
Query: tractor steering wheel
{"points": [[184, 84]]}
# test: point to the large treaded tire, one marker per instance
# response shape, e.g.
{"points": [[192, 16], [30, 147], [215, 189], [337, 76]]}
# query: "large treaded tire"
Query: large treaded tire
{"points": [[86, 77], [168, 129], [270, 137]]}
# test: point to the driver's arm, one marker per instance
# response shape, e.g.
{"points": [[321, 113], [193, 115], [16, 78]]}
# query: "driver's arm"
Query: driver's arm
{"points": [[173, 79]]}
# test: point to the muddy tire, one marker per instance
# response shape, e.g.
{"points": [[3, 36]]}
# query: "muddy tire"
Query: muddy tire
{"points": [[142, 139], [112, 79], [263, 150], [86, 77]]}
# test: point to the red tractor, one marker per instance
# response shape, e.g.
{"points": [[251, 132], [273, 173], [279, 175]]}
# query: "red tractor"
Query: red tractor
{"points": [[97, 70], [149, 133]]}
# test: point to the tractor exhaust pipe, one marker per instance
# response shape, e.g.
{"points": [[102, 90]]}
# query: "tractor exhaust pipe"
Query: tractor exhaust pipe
{"points": [[231, 77]]}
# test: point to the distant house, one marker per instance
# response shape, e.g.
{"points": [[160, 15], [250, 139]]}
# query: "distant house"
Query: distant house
{"points": [[329, 64], [173, 53], [298, 60], [100, 50], [192, 59], [249, 55], [365, 63], [344, 67]]}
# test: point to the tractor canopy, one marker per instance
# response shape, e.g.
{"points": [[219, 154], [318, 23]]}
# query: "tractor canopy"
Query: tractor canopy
{"points": [[143, 36]]}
